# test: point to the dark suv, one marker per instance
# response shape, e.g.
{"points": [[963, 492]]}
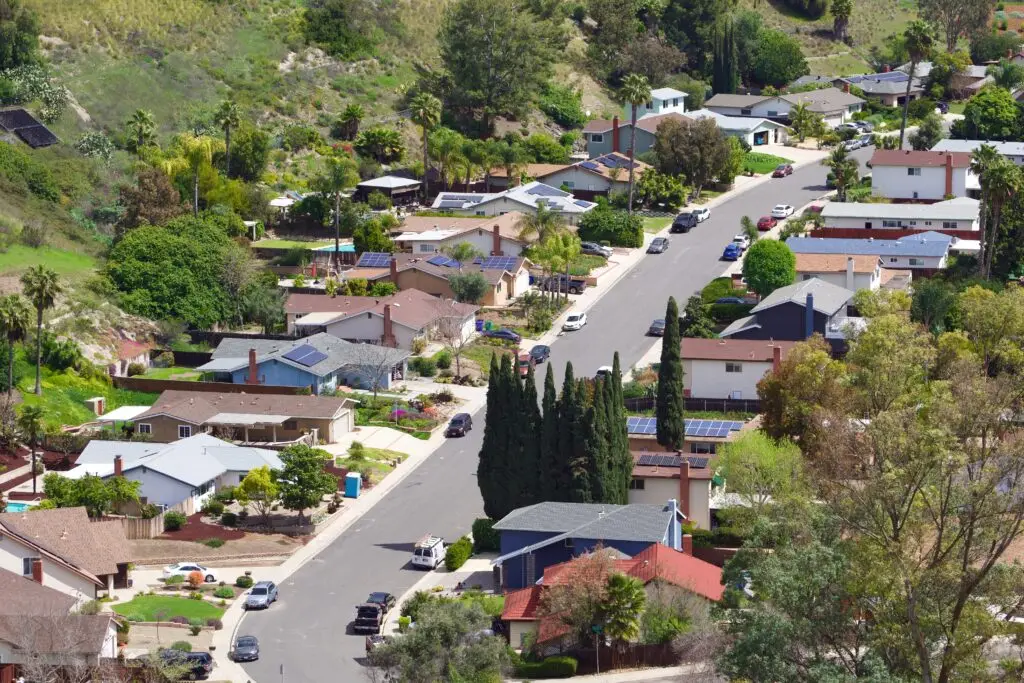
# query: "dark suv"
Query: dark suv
{"points": [[684, 222], [461, 424], [196, 665]]}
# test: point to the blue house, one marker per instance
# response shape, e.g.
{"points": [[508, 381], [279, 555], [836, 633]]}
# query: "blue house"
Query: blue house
{"points": [[539, 536], [321, 362]]}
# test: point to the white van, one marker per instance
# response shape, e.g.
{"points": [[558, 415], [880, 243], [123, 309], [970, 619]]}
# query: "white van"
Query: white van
{"points": [[429, 552]]}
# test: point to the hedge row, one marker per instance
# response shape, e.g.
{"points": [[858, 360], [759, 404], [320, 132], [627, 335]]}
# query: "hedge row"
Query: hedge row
{"points": [[552, 667], [485, 538], [458, 553]]}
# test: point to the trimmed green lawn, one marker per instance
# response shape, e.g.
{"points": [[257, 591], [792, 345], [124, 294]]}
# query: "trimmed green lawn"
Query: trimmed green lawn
{"points": [[760, 163], [656, 223], [71, 264], [376, 465], [481, 353], [584, 263], [148, 607], [174, 372], [957, 107], [292, 244]]}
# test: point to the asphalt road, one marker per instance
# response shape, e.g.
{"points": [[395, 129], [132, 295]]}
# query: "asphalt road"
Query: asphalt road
{"points": [[308, 629]]}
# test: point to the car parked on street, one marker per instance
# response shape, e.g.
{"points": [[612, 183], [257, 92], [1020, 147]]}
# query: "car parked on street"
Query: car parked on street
{"points": [[261, 596], [657, 328], [503, 333], [196, 665], [557, 283], [385, 600], [183, 569], [460, 425], [369, 618], [540, 353], [595, 249], [575, 321], [852, 144], [741, 241], [428, 552], [766, 223], [684, 222], [658, 245], [732, 252], [782, 170], [865, 126], [524, 363], [782, 211], [867, 140], [245, 649], [701, 214], [730, 300]]}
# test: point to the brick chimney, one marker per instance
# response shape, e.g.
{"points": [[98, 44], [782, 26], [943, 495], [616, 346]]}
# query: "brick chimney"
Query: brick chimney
{"points": [[37, 570], [776, 358], [949, 174], [849, 273], [687, 544], [253, 372], [885, 69], [809, 316], [118, 466], [684, 486], [846, 87], [615, 134], [394, 272], [388, 338], [496, 242]]}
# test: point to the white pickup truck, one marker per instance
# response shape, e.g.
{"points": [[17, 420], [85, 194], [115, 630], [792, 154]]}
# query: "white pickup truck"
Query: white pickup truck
{"points": [[428, 552]]}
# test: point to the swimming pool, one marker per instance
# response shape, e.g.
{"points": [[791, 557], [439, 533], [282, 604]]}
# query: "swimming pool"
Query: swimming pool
{"points": [[14, 506], [342, 248]]}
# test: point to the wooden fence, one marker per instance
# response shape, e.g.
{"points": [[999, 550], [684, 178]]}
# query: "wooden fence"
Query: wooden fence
{"points": [[140, 528], [634, 656], [156, 386]]}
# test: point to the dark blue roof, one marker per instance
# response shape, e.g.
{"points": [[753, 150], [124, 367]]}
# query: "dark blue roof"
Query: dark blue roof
{"points": [[929, 243]]}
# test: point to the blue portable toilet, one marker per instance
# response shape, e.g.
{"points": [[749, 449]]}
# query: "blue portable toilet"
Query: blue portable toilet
{"points": [[353, 482]]}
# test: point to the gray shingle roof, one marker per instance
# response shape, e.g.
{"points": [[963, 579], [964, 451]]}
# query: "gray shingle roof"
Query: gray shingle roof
{"points": [[1004, 148], [828, 298], [925, 244], [339, 352], [636, 522]]}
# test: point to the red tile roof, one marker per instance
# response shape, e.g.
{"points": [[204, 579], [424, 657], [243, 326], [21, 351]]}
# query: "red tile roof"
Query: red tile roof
{"points": [[521, 605], [924, 158], [733, 349]]}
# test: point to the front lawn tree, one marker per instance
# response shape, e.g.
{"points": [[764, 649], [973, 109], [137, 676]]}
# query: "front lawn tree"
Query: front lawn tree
{"points": [[928, 133], [697, 150], [469, 288], [760, 469], [768, 265], [302, 481], [671, 401], [844, 169], [30, 423], [260, 490], [41, 286], [636, 90], [624, 604]]}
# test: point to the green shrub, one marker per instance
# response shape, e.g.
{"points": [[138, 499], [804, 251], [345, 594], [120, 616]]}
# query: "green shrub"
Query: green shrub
{"points": [[213, 542], [618, 228], [411, 607], [195, 595], [213, 507], [244, 581], [182, 646], [226, 494], [564, 104], [457, 553], [136, 369], [727, 313], [443, 359], [195, 626], [174, 520], [717, 288], [175, 580], [224, 592], [485, 538], [403, 624], [551, 667], [426, 366], [21, 169], [229, 519]]}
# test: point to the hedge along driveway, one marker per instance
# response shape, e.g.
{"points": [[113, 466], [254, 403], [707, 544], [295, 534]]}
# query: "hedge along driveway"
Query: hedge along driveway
{"points": [[149, 607]]}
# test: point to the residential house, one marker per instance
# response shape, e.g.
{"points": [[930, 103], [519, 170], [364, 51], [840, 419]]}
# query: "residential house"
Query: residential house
{"points": [[507, 277], [1014, 151], [728, 368], [523, 198], [969, 81], [39, 632], [753, 131], [185, 473], [605, 137], [656, 565], [700, 437], [597, 177], [320, 361], [903, 174], [400, 191], [663, 101], [888, 87], [277, 419], [849, 272], [538, 536], [797, 311], [66, 551], [412, 314], [129, 352], [920, 251], [960, 213], [687, 478], [493, 236], [834, 105]]}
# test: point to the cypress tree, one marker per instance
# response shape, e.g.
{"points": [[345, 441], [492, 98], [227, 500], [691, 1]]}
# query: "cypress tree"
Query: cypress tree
{"points": [[670, 401], [620, 460], [530, 475], [549, 438], [569, 417], [515, 473], [583, 463], [489, 449], [599, 446], [502, 460]]}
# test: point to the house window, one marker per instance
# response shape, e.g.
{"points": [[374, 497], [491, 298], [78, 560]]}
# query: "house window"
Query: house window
{"points": [[26, 565], [772, 113], [702, 448], [597, 137], [948, 225], [745, 112], [568, 543], [291, 425], [914, 171], [913, 223], [807, 276], [499, 286], [675, 101], [893, 259], [927, 223], [571, 185], [890, 224], [184, 431], [649, 105], [636, 484], [917, 262], [426, 248], [202, 490], [481, 213], [145, 428], [734, 367]]}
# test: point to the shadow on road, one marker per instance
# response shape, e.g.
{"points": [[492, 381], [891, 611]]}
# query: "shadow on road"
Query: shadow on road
{"points": [[400, 547], [816, 188]]}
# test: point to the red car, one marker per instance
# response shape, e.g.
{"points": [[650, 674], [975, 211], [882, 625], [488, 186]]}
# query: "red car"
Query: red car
{"points": [[782, 170], [766, 223]]}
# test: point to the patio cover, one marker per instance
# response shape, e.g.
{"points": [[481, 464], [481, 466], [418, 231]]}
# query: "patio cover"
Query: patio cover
{"points": [[246, 419], [123, 414]]}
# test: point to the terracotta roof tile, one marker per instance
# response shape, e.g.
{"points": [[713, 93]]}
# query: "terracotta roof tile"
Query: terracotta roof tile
{"points": [[733, 349], [659, 562], [835, 263], [522, 604], [68, 534], [925, 158]]}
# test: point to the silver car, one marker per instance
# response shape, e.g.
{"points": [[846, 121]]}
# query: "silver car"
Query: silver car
{"points": [[261, 595]]}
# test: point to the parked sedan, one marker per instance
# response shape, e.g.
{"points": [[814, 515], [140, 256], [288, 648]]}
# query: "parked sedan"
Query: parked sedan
{"points": [[782, 170], [246, 649], [658, 245], [766, 223], [867, 140], [540, 353], [730, 300], [732, 252], [460, 425], [865, 126], [575, 321], [503, 333], [183, 569], [385, 600], [852, 144], [595, 249], [782, 211], [684, 222], [657, 328], [701, 214], [262, 595], [741, 241]]}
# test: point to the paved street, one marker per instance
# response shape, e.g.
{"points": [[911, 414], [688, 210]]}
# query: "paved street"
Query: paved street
{"points": [[307, 630]]}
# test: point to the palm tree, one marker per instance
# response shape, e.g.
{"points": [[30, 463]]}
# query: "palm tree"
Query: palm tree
{"points": [[845, 170], [983, 159], [474, 155], [801, 119], [562, 248], [491, 160], [426, 113], [541, 225], [635, 91], [624, 603], [194, 153], [227, 118], [918, 38], [42, 287], [14, 324], [1003, 182], [340, 174], [350, 118], [141, 128], [1006, 74], [446, 149], [30, 421], [511, 157]]}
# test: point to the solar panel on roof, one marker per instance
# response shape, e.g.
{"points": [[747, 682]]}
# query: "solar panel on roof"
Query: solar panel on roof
{"points": [[374, 259], [36, 136], [590, 165], [545, 191], [298, 352], [697, 463], [580, 202], [499, 263], [450, 204], [641, 425]]}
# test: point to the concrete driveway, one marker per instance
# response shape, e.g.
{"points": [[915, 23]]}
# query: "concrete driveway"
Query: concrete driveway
{"points": [[308, 632]]}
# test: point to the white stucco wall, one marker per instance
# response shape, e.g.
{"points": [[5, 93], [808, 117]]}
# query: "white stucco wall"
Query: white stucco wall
{"points": [[578, 179], [870, 281], [160, 489], [364, 327], [919, 262], [503, 205], [518, 630], [895, 182], [922, 224], [12, 554], [779, 108], [708, 378], [658, 491]]}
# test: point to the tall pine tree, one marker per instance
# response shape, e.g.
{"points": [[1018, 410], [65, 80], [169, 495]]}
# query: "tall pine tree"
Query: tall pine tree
{"points": [[598, 446], [724, 74], [549, 438], [570, 415], [490, 450], [530, 429], [620, 460], [670, 401], [515, 472]]}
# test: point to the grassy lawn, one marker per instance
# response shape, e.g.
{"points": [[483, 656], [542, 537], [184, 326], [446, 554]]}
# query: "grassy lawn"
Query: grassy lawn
{"points": [[292, 244], [64, 395], [656, 223], [708, 195], [762, 163], [491, 604], [585, 263], [374, 464], [69, 264], [147, 607], [957, 107], [174, 372], [481, 353]]}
